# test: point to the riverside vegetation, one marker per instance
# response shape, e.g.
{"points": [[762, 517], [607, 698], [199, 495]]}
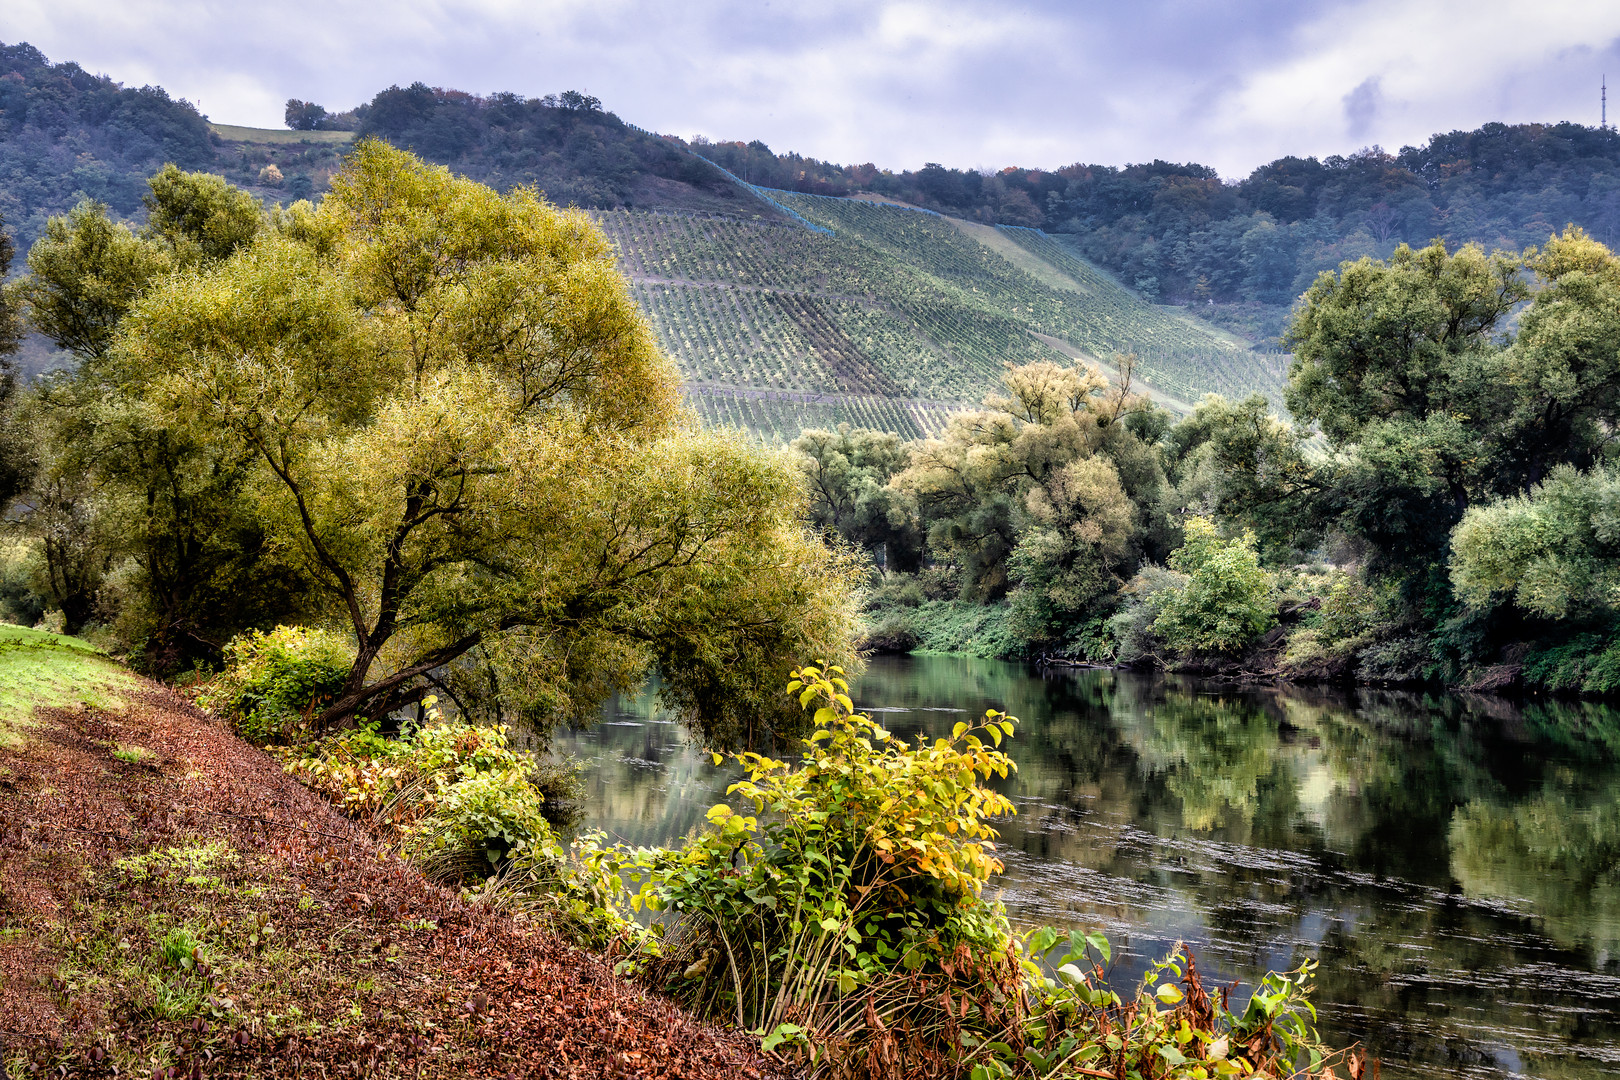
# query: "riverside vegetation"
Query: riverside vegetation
{"points": [[1440, 511], [833, 906], [425, 418]]}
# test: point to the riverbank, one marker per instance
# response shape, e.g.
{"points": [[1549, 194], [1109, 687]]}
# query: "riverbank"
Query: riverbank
{"points": [[1298, 650], [172, 903]]}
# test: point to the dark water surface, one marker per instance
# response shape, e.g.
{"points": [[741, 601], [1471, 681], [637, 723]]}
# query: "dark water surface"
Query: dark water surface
{"points": [[1452, 862]]}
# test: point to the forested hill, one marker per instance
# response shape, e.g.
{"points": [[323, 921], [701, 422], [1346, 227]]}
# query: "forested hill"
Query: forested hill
{"points": [[1237, 252], [1180, 234], [66, 134]]}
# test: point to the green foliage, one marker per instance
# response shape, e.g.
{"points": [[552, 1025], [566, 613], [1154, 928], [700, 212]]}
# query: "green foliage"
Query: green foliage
{"points": [[1044, 465], [947, 626], [1238, 463], [1172, 1029], [72, 135], [23, 593], [452, 420], [84, 274], [199, 216], [1552, 551], [838, 913], [863, 860], [454, 796], [273, 683], [1587, 663], [1227, 601], [847, 472]]}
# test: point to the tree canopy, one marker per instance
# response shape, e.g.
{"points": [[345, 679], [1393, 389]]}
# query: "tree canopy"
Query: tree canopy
{"points": [[464, 431]]}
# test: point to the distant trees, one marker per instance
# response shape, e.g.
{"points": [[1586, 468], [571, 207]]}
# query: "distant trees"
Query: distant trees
{"points": [[847, 473], [566, 144], [304, 115], [70, 135], [14, 456], [1044, 494], [121, 493]]}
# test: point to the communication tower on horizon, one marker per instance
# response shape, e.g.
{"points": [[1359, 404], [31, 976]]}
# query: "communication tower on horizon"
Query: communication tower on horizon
{"points": [[1603, 122]]}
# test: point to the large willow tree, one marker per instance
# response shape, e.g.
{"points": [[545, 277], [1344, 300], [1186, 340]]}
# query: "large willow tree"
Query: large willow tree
{"points": [[465, 432]]}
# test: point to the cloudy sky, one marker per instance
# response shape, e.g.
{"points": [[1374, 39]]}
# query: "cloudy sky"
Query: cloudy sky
{"points": [[964, 82]]}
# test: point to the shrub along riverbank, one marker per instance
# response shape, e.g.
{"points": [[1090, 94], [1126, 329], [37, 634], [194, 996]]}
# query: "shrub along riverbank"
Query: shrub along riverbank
{"points": [[835, 907]]}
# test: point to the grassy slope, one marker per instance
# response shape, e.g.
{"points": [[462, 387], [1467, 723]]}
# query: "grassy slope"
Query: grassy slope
{"points": [[895, 319], [39, 669], [170, 898], [236, 133]]}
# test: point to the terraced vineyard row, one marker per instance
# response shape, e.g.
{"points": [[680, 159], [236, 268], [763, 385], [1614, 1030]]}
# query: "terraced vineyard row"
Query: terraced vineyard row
{"points": [[1104, 319], [892, 305], [808, 311], [780, 417], [1234, 367]]}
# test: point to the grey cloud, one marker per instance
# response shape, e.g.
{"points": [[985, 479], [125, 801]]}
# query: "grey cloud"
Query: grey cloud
{"points": [[1361, 107]]}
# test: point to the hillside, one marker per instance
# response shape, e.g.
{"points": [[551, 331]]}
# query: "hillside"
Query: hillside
{"points": [[793, 291], [892, 318], [172, 903]]}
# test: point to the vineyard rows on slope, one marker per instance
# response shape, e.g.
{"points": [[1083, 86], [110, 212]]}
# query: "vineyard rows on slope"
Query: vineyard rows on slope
{"points": [[893, 305], [1106, 318], [780, 416]]}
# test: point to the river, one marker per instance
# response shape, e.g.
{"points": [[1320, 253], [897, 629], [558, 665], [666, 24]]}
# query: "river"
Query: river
{"points": [[1452, 862]]}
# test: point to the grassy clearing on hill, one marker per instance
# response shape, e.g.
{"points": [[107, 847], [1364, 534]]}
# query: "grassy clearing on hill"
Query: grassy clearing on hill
{"points": [[235, 133], [44, 670]]}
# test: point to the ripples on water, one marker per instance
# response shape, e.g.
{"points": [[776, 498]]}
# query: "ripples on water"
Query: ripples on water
{"points": [[1451, 862]]}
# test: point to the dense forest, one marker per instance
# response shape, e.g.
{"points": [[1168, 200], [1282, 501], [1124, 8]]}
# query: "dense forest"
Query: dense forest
{"points": [[1181, 234], [66, 134]]}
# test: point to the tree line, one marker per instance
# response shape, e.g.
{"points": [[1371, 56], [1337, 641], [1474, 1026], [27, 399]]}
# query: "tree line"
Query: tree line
{"points": [[1438, 507]]}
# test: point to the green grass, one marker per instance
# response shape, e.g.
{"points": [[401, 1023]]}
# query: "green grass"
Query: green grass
{"points": [[277, 135], [43, 670]]}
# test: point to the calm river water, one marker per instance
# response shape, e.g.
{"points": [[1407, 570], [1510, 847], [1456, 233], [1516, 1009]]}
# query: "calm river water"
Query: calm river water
{"points": [[1452, 862]]}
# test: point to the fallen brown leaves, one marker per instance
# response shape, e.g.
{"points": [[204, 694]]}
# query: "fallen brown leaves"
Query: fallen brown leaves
{"points": [[321, 954]]}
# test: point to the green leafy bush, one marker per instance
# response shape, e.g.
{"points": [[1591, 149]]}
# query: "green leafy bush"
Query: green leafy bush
{"points": [[1227, 601], [861, 864], [1172, 1029], [22, 599], [1587, 663], [271, 682], [1131, 628], [456, 798]]}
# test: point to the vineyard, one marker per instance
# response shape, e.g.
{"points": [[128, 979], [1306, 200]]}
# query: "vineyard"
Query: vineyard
{"points": [[893, 319]]}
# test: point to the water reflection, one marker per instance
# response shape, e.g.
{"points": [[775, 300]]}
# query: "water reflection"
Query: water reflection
{"points": [[1451, 861]]}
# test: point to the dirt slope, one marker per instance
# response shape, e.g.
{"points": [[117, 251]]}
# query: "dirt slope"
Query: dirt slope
{"points": [[183, 908]]}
